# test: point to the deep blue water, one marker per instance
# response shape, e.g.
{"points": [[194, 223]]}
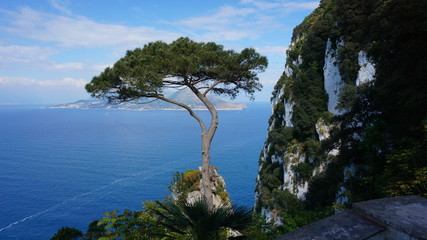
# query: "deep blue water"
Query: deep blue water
{"points": [[65, 167]]}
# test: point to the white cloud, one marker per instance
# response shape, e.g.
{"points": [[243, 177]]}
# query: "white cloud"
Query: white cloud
{"points": [[68, 66], [227, 35], [283, 5], [61, 5], [32, 90], [80, 31], [24, 54], [220, 20], [261, 4], [275, 50], [100, 68], [228, 24], [79, 83], [33, 57], [6, 81], [296, 6]]}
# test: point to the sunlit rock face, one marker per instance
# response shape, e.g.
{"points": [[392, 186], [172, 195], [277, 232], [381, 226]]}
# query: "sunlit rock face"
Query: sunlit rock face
{"points": [[276, 98], [288, 112], [366, 72], [323, 130], [332, 77]]}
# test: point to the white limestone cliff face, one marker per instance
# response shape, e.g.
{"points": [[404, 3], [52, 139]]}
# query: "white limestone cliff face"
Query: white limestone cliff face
{"points": [[294, 156], [323, 132], [289, 158], [288, 70], [332, 77], [322, 129], [274, 157], [366, 72], [288, 102], [298, 188], [289, 105], [294, 153], [275, 99], [271, 216]]}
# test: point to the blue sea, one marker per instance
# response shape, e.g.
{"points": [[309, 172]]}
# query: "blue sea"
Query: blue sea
{"points": [[66, 167]]}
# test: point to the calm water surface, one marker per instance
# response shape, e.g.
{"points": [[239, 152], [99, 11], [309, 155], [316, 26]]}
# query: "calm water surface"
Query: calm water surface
{"points": [[65, 167]]}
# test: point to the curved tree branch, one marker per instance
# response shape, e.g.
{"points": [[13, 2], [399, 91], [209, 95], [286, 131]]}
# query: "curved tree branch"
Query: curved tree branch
{"points": [[212, 87], [210, 107], [192, 113]]}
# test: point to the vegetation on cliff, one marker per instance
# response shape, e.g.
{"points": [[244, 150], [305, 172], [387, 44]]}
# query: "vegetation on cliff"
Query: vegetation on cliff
{"points": [[181, 217], [377, 143]]}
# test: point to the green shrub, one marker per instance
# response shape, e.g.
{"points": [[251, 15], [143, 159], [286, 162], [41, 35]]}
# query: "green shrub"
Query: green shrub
{"points": [[303, 170], [184, 183], [192, 178], [67, 233]]}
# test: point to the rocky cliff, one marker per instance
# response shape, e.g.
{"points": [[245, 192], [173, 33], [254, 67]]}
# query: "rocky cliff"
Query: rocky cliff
{"points": [[336, 133]]}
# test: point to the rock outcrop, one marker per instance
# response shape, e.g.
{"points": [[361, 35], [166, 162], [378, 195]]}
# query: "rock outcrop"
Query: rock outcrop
{"points": [[188, 187], [218, 189]]}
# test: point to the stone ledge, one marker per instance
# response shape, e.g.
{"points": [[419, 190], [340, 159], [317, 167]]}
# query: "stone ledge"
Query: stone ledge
{"points": [[387, 218], [407, 214], [345, 225]]}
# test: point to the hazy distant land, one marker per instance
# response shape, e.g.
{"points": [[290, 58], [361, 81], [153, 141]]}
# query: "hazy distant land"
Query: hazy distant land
{"points": [[183, 96]]}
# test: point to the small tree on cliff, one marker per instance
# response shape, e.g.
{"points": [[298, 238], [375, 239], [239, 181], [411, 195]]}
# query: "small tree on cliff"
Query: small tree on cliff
{"points": [[201, 67]]}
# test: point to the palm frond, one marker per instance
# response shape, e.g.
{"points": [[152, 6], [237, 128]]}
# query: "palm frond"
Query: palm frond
{"points": [[198, 221]]}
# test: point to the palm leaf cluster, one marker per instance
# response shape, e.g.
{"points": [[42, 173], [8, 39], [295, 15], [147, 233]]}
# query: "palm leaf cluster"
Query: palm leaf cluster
{"points": [[198, 222]]}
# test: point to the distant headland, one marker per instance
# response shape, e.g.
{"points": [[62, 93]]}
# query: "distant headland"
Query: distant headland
{"points": [[183, 96]]}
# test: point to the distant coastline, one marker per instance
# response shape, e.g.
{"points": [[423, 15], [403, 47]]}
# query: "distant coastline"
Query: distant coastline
{"points": [[185, 97], [134, 107]]}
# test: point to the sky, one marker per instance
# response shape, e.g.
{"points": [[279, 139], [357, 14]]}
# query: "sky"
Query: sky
{"points": [[49, 49]]}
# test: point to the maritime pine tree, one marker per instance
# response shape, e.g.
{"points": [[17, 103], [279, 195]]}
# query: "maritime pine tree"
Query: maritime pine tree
{"points": [[183, 64]]}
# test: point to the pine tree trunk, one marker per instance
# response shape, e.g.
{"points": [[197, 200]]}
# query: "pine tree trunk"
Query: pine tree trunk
{"points": [[206, 145], [206, 173]]}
